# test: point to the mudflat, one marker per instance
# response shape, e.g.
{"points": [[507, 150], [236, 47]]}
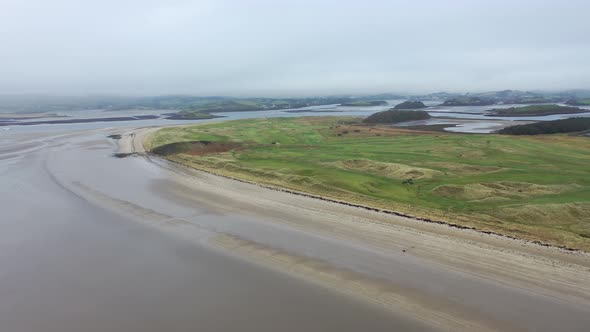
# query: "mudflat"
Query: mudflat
{"points": [[87, 246]]}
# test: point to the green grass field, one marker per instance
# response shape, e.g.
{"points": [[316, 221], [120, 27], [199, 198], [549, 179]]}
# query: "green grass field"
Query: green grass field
{"points": [[536, 188]]}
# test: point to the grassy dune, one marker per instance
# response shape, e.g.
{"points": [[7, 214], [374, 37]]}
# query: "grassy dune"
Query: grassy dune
{"points": [[532, 187]]}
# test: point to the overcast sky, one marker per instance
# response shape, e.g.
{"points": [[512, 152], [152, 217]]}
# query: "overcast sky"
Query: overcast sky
{"points": [[291, 48]]}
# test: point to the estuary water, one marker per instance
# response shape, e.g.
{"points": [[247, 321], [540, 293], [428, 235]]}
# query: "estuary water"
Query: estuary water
{"points": [[468, 119]]}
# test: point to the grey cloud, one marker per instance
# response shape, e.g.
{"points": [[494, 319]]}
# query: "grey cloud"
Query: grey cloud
{"points": [[291, 47]]}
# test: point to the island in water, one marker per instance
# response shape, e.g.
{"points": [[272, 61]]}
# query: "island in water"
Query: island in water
{"points": [[190, 115], [396, 116], [535, 110], [578, 102], [410, 105]]}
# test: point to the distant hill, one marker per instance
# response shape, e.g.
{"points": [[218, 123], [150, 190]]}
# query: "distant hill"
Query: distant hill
{"points": [[468, 101], [396, 116], [509, 97], [549, 127], [56, 104], [410, 105], [518, 97]]}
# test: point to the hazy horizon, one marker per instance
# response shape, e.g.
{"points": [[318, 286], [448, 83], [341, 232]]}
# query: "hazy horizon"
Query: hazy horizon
{"points": [[83, 95], [302, 48]]}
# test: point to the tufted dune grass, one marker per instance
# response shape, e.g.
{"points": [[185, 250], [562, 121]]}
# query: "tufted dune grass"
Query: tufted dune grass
{"points": [[532, 187]]}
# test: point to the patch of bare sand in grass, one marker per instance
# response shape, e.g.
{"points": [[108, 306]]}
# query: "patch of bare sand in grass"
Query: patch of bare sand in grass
{"points": [[498, 190], [390, 170]]}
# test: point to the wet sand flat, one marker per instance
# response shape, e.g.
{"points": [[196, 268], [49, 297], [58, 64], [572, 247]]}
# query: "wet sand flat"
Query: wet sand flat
{"points": [[70, 265]]}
